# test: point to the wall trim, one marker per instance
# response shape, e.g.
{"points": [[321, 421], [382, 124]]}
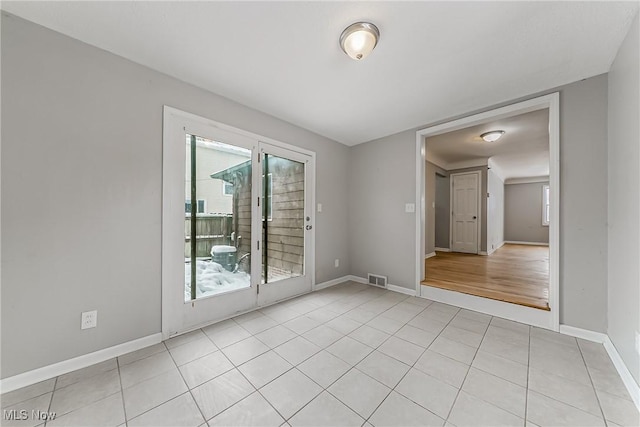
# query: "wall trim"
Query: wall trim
{"points": [[629, 382], [443, 250], [46, 372], [401, 290], [516, 242], [501, 244], [332, 282], [585, 334], [427, 256], [530, 180], [390, 287]]}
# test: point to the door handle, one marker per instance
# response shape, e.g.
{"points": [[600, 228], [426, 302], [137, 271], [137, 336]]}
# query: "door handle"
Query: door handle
{"points": [[475, 217], [308, 227]]}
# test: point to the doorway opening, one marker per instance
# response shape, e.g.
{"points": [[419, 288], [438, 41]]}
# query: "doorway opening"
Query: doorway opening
{"points": [[488, 229]]}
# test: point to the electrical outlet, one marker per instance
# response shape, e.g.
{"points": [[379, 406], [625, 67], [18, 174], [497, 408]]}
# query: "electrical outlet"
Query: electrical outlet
{"points": [[319, 207], [410, 207], [637, 342], [337, 263], [89, 319]]}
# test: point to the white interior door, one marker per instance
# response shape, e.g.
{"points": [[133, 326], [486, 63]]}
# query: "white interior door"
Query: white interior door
{"points": [[286, 249], [465, 212], [237, 225]]}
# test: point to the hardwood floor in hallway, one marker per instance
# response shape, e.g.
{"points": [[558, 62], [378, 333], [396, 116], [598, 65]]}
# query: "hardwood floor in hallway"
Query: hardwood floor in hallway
{"points": [[517, 274]]}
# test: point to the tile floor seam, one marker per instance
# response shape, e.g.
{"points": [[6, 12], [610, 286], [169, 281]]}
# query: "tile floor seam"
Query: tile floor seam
{"points": [[526, 391], [469, 369], [124, 408], [51, 399], [189, 390], [593, 386]]}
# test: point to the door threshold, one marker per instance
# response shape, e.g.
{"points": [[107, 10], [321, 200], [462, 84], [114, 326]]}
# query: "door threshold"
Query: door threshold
{"points": [[498, 296]]}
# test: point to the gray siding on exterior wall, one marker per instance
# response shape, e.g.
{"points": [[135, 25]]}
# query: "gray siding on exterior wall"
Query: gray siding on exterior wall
{"points": [[87, 127]]}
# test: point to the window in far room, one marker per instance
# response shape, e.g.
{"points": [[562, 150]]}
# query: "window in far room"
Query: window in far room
{"points": [[201, 206], [545, 205]]}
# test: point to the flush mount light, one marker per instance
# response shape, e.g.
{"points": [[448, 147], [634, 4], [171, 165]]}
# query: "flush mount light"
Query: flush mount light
{"points": [[359, 39], [493, 135]]}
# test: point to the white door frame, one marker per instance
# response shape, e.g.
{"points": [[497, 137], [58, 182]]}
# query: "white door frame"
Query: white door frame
{"points": [[531, 316], [172, 117], [478, 209]]}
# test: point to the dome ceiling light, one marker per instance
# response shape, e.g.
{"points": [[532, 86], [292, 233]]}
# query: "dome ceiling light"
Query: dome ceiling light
{"points": [[359, 39], [492, 136]]}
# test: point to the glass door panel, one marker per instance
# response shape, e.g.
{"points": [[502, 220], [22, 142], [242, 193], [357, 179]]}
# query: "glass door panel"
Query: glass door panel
{"points": [[286, 223], [217, 218], [282, 218]]}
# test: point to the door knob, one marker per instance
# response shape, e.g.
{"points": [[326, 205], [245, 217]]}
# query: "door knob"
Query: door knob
{"points": [[475, 217], [308, 227]]}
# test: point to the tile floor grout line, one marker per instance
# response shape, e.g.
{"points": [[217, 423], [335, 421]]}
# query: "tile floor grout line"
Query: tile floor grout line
{"points": [[124, 408], [186, 384], [469, 369], [51, 399], [593, 386], [413, 365], [526, 390]]}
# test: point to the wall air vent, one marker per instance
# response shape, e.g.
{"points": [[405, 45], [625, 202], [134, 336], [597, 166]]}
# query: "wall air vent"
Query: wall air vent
{"points": [[379, 281]]}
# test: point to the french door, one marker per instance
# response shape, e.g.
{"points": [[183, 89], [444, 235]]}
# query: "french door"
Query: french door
{"points": [[237, 222]]}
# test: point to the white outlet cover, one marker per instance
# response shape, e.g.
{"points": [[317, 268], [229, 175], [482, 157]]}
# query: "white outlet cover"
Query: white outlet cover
{"points": [[89, 319], [410, 207], [319, 207], [337, 263]]}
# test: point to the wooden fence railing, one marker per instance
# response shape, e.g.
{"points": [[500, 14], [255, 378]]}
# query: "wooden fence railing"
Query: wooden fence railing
{"points": [[211, 230]]}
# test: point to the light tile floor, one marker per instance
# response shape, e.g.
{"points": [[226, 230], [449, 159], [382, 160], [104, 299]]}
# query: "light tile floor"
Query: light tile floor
{"points": [[346, 355]]}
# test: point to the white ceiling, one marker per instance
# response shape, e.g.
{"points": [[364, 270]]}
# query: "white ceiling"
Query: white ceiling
{"points": [[522, 152], [435, 59]]}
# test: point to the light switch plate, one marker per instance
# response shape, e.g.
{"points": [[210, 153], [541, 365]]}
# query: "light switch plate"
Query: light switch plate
{"points": [[319, 207], [410, 207]]}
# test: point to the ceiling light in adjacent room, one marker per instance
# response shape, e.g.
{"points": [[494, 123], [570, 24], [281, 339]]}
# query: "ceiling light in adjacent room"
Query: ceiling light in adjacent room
{"points": [[359, 39], [493, 135]]}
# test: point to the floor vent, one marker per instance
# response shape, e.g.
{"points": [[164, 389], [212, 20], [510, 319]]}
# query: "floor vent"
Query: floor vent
{"points": [[379, 281]]}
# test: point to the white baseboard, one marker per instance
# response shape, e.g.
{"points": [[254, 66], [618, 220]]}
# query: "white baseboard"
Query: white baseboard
{"points": [[483, 253], [390, 287], [69, 365], [330, 283], [358, 279], [443, 250], [516, 242], [427, 256], [489, 252], [628, 380], [401, 290], [585, 334], [621, 367]]}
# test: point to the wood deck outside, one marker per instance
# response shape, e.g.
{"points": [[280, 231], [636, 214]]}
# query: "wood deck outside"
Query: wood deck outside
{"points": [[517, 274]]}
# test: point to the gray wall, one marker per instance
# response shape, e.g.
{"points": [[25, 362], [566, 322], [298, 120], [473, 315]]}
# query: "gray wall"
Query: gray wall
{"points": [[383, 177], [443, 211], [82, 135], [483, 202], [381, 180], [523, 213], [430, 201], [624, 204], [495, 211]]}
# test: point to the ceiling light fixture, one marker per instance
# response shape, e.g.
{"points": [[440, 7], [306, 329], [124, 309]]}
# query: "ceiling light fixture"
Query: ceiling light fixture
{"points": [[493, 135], [359, 39]]}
